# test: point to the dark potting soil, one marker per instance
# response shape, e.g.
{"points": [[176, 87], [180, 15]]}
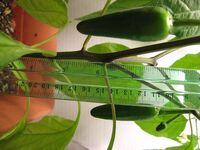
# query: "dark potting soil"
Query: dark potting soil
{"points": [[6, 26], [6, 16]]}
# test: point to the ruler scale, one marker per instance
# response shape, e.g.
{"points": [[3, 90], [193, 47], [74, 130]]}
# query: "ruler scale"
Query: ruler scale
{"points": [[70, 67], [88, 81], [93, 93]]}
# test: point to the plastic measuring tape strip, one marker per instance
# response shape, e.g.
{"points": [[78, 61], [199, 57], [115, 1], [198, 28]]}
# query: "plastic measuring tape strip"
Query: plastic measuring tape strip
{"points": [[97, 93], [130, 84], [118, 71]]}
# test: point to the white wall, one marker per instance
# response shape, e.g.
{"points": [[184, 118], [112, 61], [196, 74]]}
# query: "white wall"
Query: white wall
{"points": [[95, 133]]}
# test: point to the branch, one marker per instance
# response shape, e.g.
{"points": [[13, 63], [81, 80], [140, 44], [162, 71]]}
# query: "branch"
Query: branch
{"points": [[108, 57]]}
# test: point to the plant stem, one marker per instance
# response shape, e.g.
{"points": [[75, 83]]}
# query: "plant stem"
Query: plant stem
{"points": [[173, 118], [191, 130], [137, 59], [75, 96], [163, 54], [84, 47], [186, 22], [105, 7], [112, 108], [167, 78], [196, 114], [73, 92], [163, 125], [155, 58], [47, 39], [197, 133], [167, 111], [108, 57]]}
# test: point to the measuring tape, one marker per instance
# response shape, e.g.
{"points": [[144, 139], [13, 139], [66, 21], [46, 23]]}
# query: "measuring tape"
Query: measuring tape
{"points": [[130, 84]]}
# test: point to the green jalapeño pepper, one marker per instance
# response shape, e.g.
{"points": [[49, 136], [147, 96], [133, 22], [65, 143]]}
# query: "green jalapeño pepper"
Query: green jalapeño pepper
{"points": [[125, 113], [141, 24], [133, 113]]}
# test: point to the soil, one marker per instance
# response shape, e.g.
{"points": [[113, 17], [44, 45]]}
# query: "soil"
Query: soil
{"points": [[6, 26], [6, 17]]}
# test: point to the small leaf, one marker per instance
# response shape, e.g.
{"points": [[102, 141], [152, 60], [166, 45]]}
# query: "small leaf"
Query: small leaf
{"points": [[10, 50], [52, 133], [52, 12], [107, 48], [173, 130]]}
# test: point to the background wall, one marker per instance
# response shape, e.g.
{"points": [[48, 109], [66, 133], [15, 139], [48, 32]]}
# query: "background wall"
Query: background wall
{"points": [[95, 133]]}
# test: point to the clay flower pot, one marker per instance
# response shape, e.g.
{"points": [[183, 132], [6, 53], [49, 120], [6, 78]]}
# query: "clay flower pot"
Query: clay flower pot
{"points": [[29, 31]]}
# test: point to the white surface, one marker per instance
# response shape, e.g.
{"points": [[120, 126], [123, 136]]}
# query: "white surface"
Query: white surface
{"points": [[94, 133]]}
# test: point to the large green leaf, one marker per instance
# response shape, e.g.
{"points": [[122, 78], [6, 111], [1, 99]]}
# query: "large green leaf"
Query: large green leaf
{"points": [[116, 6], [52, 12], [16, 130], [11, 50], [173, 130], [189, 145], [50, 133], [190, 61]]}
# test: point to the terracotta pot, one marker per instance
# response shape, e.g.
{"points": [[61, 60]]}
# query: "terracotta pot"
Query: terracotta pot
{"points": [[29, 31]]}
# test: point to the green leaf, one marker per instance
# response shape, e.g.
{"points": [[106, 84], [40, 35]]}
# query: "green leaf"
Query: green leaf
{"points": [[190, 61], [52, 133], [190, 145], [173, 130], [10, 50], [116, 6], [51, 12], [16, 130], [107, 48], [126, 4]]}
